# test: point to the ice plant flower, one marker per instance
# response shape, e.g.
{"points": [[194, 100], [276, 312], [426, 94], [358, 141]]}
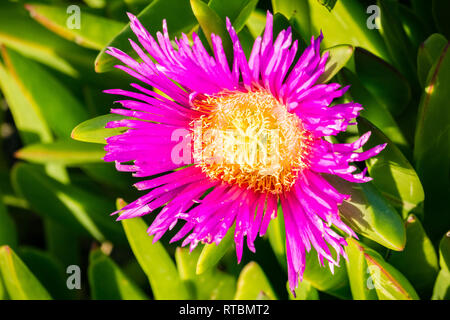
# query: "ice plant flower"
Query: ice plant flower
{"points": [[235, 143]]}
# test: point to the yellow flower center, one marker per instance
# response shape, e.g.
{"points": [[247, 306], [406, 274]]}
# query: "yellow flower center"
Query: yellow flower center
{"points": [[249, 139]]}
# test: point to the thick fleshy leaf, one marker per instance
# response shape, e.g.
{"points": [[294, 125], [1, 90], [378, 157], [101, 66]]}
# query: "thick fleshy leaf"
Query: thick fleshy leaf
{"points": [[298, 10], [211, 284], [95, 31], [69, 205], [253, 283], [374, 110], [432, 148], [49, 101], [48, 270], [320, 277], [256, 23], [94, 131], [441, 289], [387, 281], [419, 252], [25, 35], [108, 282], [20, 283], [304, 291], [338, 57], [153, 258], [211, 22], [346, 24], [429, 52], [281, 22], [29, 122], [66, 152], [238, 11], [388, 85], [8, 231], [358, 273], [178, 20], [398, 44], [370, 214], [392, 173], [212, 253]]}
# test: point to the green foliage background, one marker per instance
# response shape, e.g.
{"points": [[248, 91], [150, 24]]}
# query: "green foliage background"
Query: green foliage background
{"points": [[56, 193]]}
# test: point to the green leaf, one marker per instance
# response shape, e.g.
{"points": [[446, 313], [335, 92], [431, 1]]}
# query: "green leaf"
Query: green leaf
{"points": [[280, 22], [441, 289], [94, 131], [440, 9], [392, 173], [238, 11], [28, 120], [49, 101], [155, 261], [338, 57], [369, 214], [8, 232], [419, 252], [212, 253], [252, 282], [394, 93], [346, 24], [211, 22], [65, 152], [319, 277], [304, 291], [69, 205], [179, 20], [432, 148], [388, 282], [429, 51], [277, 237], [256, 23], [398, 44], [95, 31], [48, 270], [211, 284], [20, 283], [25, 35], [108, 282], [374, 110], [298, 11], [358, 273]]}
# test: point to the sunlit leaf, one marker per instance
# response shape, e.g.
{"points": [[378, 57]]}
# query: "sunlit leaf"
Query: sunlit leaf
{"points": [[155, 261], [346, 24], [179, 20], [358, 273], [69, 205], [94, 32], [20, 283], [429, 52], [212, 253], [66, 152], [392, 173], [370, 214], [252, 282], [388, 282], [94, 131], [337, 59]]}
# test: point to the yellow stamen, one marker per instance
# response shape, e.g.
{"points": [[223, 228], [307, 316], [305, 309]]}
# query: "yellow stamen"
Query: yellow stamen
{"points": [[249, 139]]}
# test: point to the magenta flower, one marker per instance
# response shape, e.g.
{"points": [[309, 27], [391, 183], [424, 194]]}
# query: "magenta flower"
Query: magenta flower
{"points": [[252, 137]]}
